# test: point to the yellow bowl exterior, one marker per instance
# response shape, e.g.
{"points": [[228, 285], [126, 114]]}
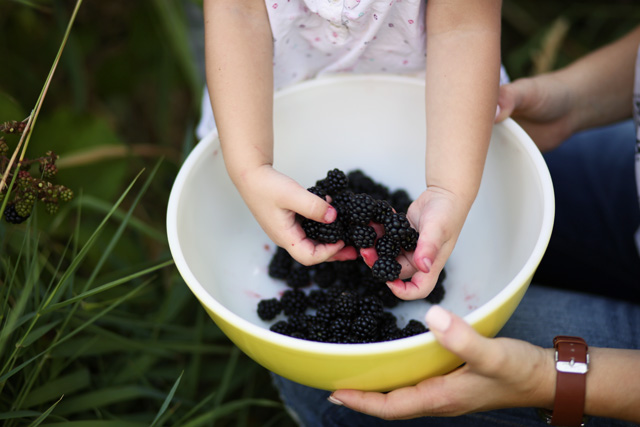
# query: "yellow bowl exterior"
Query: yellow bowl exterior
{"points": [[376, 371]]}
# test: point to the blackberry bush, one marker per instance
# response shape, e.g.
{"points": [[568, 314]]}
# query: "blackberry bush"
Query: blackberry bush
{"points": [[28, 189]]}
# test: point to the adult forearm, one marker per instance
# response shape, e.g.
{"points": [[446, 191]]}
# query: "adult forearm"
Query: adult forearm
{"points": [[613, 386], [602, 83], [462, 78], [239, 51]]}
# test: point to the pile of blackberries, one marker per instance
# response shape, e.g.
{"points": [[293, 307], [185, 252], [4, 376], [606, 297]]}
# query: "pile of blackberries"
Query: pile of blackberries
{"points": [[349, 300], [360, 201]]}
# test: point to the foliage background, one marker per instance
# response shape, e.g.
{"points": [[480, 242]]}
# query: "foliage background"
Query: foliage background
{"points": [[105, 321]]}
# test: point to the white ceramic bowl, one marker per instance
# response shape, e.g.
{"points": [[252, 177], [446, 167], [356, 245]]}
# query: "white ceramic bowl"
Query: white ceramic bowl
{"points": [[376, 124]]}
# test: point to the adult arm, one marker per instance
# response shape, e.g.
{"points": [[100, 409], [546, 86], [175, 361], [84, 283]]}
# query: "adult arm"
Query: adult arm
{"points": [[502, 373], [593, 91]]}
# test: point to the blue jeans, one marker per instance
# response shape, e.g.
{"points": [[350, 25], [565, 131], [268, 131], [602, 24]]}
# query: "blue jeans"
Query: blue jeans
{"points": [[584, 286]]}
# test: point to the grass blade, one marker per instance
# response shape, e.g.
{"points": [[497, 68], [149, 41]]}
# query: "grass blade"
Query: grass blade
{"points": [[166, 402], [45, 414]]}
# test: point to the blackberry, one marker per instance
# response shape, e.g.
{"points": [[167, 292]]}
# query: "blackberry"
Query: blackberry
{"points": [[340, 331], [372, 305], [299, 276], [382, 212], [317, 331], [318, 191], [325, 233], [387, 297], [413, 328], [388, 329], [325, 312], [281, 327], [361, 208], [364, 328], [397, 226], [345, 305], [348, 271], [324, 275], [410, 240], [280, 264], [387, 269], [300, 322], [360, 182], [268, 309], [362, 236], [400, 200], [12, 217], [334, 182], [334, 291], [437, 294], [293, 301], [387, 247], [316, 298]]}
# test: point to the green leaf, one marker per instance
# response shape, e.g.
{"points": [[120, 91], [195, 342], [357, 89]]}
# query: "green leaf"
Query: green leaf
{"points": [[65, 385], [105, 397], [229, 408]]}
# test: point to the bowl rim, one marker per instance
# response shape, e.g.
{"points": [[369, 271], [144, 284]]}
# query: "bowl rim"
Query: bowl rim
{"points": [[369, 349]]}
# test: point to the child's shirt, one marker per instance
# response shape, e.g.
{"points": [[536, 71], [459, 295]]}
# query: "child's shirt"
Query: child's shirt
{"points": [[312, 38], [316, 37]]}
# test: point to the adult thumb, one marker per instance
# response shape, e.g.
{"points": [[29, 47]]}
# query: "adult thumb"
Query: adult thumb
{"points": [[458, 336]]}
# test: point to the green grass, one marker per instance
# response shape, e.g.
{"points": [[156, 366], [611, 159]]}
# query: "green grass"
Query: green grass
{"points": [[97, 327]]}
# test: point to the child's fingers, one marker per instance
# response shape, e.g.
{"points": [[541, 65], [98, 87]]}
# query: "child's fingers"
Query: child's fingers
{"points": [[311, 206], [420, 285], [429, 245]]}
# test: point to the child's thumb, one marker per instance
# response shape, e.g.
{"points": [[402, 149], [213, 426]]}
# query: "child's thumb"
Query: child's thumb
{"points": [[313, 207]]}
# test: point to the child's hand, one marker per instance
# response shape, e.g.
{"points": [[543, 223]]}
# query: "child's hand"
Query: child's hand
{"points": [[438, 215], [275, 199]]}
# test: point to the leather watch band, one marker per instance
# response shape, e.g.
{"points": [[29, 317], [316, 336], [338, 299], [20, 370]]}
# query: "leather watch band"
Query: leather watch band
{"points": [[572, 364]]}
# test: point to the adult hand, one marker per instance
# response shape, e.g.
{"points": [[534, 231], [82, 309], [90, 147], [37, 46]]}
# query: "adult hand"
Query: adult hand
{"points": [[498, 373], [275, 199], [542, 106]]}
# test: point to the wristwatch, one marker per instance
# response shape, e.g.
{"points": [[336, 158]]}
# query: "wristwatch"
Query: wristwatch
{"points": [[572, 365]]}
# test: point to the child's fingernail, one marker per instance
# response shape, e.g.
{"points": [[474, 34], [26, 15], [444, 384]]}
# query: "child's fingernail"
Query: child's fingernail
{"points": [[428, 263], [438, 318], [330, 215], [334, 400], [497, 111]]}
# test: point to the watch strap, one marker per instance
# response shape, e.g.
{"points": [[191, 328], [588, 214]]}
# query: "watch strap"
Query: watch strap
{"points": [[572, 364]]}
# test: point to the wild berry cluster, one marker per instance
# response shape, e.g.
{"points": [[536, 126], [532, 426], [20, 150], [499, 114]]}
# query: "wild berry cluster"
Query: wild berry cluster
{"points": [[336, 302], [360, 201], [29, 189], [346, 301]]}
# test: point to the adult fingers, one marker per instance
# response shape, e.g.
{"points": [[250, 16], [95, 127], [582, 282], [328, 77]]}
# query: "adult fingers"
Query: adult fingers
{"points": [[461, 339]]}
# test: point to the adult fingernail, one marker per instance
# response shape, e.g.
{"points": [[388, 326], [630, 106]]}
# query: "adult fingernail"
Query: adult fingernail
{"points": [[334, 400], [438, 318], [330, 215], [498, 109]]}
